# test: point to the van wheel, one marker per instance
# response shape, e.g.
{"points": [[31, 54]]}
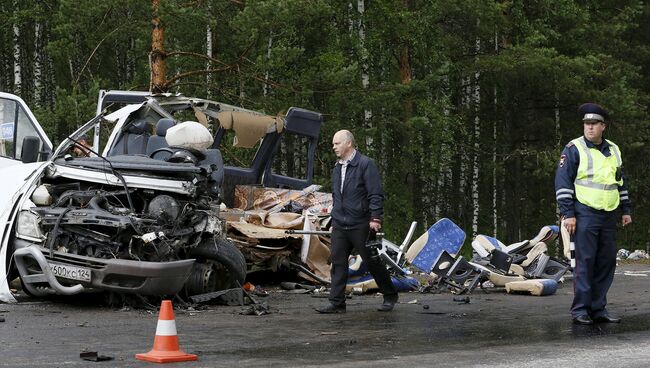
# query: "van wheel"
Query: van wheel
{"points": [[219, 265]]}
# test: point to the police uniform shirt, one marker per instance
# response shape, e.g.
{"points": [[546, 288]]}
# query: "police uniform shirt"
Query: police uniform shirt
{"points": [[566, 175]]}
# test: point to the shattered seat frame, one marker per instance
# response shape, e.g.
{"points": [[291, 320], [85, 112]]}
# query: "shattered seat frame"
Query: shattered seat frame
{"points": [[455, 272], [535, 263], [397, 262], [437, 252]]}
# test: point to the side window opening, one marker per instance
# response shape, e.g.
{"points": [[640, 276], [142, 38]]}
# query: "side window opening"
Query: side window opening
{"points": [[236, 156], [24, 129], [7, 127], [291, 158]]}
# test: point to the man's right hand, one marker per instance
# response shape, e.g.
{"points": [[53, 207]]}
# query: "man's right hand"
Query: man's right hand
{"points": [[570, 225]]}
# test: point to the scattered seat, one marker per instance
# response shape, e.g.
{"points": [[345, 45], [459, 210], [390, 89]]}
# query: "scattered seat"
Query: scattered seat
{"points": [[529, 258], [444, 235]]}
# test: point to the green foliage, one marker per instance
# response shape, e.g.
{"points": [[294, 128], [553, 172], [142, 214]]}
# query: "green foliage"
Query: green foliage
{"points": [[496, 82], [71, 110]]}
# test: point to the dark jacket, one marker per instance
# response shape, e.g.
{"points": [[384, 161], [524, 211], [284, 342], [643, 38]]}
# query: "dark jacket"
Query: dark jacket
{"points": [[362, 198]]}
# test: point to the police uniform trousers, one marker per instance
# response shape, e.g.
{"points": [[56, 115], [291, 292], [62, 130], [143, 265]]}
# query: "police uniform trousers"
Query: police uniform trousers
{"points": [[343, 241], [595, 256]]}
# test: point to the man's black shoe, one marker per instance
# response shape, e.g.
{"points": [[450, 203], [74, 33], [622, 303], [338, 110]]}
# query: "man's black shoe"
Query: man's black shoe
{"points": [[583, 320], [389, 303], [607, 318], [331, 309]]}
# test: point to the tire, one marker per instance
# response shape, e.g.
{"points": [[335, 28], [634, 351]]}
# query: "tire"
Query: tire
{"points": [[219, 265]]}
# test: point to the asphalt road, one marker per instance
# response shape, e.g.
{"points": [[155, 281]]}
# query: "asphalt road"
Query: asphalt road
{"points": [[493, 330]]}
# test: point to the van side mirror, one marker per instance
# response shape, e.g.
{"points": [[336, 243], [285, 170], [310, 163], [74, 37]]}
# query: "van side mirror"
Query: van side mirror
{"points": [[30, 149]]}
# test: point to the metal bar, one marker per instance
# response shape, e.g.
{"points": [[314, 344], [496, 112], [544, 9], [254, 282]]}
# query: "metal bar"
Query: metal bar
{"points": [[308, 272], [316, 232]]}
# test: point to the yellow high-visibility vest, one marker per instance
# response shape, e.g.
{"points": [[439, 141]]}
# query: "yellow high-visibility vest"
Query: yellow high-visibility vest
{"points": [[596, 185]]}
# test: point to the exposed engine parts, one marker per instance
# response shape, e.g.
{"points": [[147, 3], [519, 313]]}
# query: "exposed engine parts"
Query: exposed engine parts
{"points": [[95, 222], [165, 208]]}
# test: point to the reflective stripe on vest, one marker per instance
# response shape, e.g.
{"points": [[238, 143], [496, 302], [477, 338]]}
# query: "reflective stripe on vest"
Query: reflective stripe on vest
{"points": [[596, 185]]}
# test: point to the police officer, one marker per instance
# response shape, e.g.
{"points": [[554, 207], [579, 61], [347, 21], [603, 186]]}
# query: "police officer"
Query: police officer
{"points": [[589, 187], [357, 209]]}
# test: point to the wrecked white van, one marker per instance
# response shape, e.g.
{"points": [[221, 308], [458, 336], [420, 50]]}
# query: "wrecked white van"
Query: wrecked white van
{"points": [[140, 215]]}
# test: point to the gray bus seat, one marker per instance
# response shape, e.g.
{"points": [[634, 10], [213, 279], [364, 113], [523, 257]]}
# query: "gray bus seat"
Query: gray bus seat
{"points": [[133, 140]]}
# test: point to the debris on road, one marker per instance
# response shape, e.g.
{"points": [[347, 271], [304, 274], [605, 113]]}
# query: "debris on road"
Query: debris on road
{"points": [[532, 287], [527, 259], [634, 256], [93, 356], [461, 299], [228, 297], [294, 285], [297, 288], [622, 254], [256, 310]]}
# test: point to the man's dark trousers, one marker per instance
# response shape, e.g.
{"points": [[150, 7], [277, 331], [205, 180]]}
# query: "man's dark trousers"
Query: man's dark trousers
{"points": [[343, 241], [595, 241]]}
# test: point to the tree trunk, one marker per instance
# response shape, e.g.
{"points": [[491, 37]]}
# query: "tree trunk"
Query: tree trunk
{"points": [[17, 69], [242, 92], [38, 42], [409, 171], [268, 57], [444, 168], [475, 160], [365, 77], [476, 99], [71, 68], [48, 77], [558, 140], [157, 56], [495, 190], [209, 53], [462, 178]]}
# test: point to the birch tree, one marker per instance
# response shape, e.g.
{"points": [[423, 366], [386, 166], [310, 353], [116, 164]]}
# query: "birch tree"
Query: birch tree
{"points": [[476, 103], [38, 51], [17, 87]]}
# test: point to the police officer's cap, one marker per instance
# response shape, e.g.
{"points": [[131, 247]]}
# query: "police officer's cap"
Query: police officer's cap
{"points": [[592, 111]]}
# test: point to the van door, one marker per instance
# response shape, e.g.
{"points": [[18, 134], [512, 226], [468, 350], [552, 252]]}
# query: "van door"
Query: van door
{"points": [[17, 126], [300, 136]]}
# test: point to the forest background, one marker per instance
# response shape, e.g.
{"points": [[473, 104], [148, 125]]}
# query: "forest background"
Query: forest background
{"points": [[464, 104]]}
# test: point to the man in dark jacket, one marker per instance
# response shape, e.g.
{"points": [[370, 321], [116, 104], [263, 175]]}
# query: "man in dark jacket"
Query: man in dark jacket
{"points": [[357, 211]]}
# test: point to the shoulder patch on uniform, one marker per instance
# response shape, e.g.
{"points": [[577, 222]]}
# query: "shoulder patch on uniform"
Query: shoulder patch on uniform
{"points": [[562, 160], [569, 145]]}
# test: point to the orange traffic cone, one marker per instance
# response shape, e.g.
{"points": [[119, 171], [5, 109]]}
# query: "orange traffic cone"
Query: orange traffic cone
{"points": [[165, 344]]}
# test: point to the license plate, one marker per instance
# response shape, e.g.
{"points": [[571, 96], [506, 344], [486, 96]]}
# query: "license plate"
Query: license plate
{"points": [[70, 272]]}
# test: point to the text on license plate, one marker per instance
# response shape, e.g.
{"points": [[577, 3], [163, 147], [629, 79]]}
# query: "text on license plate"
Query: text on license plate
{"points": [[70, 272]]}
